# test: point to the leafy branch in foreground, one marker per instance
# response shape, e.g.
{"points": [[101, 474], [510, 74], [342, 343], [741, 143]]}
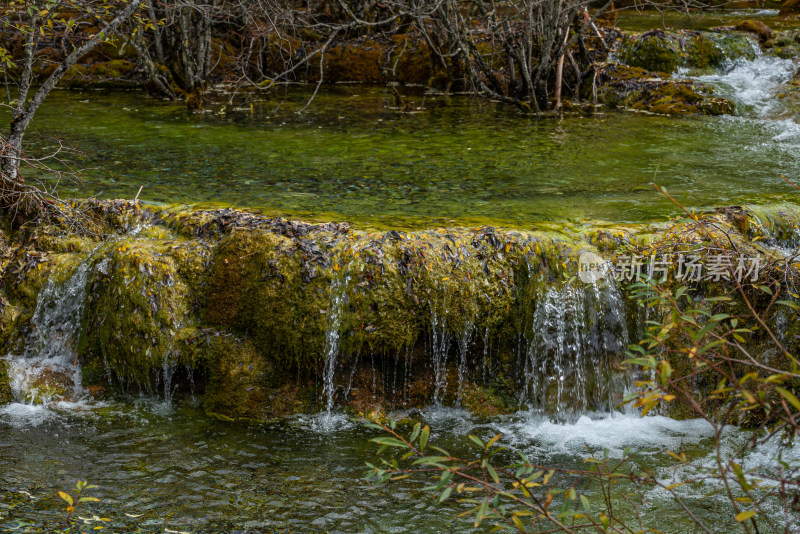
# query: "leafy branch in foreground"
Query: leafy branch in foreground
{"points": [[698, 356], [519, 496]]}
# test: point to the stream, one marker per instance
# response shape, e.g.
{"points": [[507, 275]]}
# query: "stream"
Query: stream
{"points": [[457, 161], [161, 465]]}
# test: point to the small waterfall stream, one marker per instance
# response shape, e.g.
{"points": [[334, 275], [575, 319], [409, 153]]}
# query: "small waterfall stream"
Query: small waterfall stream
{"points": [[332, 345], [48, 369], [568, 362]]}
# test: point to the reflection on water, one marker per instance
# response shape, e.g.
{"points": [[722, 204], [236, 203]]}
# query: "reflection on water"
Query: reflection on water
{"points": [[351, 156]]}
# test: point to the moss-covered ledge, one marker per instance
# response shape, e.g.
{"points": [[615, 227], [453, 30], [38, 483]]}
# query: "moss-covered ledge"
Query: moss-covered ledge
{"points": [[238, 307]]}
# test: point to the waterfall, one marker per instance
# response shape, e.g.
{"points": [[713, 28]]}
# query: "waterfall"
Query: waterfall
{"points": [[463, 347], [48, 369], [338, 298], [440, 346], [576, 332], [753, 83]]}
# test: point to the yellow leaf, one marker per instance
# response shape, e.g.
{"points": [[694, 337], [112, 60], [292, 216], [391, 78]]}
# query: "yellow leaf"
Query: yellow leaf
{"points": [[66, 497], [744, 516]]}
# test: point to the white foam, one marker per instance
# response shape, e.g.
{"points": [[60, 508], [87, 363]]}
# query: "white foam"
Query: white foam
{"points": [[323, 422], [21, 415], [752, 84], [614, 432]]}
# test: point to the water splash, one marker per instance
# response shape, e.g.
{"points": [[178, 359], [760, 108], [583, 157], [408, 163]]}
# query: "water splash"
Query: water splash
{"points": [[752, 84], [48, 370]]}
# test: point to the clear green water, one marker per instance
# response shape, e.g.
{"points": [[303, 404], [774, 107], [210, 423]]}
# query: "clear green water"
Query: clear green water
{"points": [[460, 160], [160, 468], [631, 19]]}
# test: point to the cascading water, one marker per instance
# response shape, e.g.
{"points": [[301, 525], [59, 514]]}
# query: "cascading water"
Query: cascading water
{"points": [[753, 85], [575, 334], [48, 369], [440, 346], [338, 298], [463, 348]]}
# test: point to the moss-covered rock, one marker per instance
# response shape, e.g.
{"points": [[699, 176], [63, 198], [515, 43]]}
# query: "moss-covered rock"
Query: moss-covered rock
{"points": [[664, 51], [137, 303], [116, 68], [241, 383], [790, 8], [655, 50], [248, 308], [6, 395], [628, 87], [757, 28]]}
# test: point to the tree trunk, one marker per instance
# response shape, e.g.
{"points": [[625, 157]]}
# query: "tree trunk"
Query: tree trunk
{"points": [[15, 194]]}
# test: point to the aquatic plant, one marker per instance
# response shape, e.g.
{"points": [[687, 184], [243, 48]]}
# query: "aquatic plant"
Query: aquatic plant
{"points": [[72, 501]]}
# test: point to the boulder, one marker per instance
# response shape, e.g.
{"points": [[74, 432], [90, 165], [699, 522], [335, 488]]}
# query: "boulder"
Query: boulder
{"points": [[757, 28], [790, 8]]}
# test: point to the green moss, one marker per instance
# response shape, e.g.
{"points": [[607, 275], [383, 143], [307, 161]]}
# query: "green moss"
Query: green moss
{"points": [[240, 382], [634, 88], [487, 401], [655, 50], [115, 68], [136, 304], [6, 395], [702, 52], [680, 98], [244, 301], [665, 51], [776, 223]]}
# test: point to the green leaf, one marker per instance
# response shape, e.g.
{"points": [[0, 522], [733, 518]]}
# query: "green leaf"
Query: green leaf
{"points": [[390, 442], [88, 499], [423, 438], [788, 304], [431, 460], [493, 474], [476, 440], [481, 513], [790, 398], [445, 494], [415, 433], [66, 497], [493, 440]]}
